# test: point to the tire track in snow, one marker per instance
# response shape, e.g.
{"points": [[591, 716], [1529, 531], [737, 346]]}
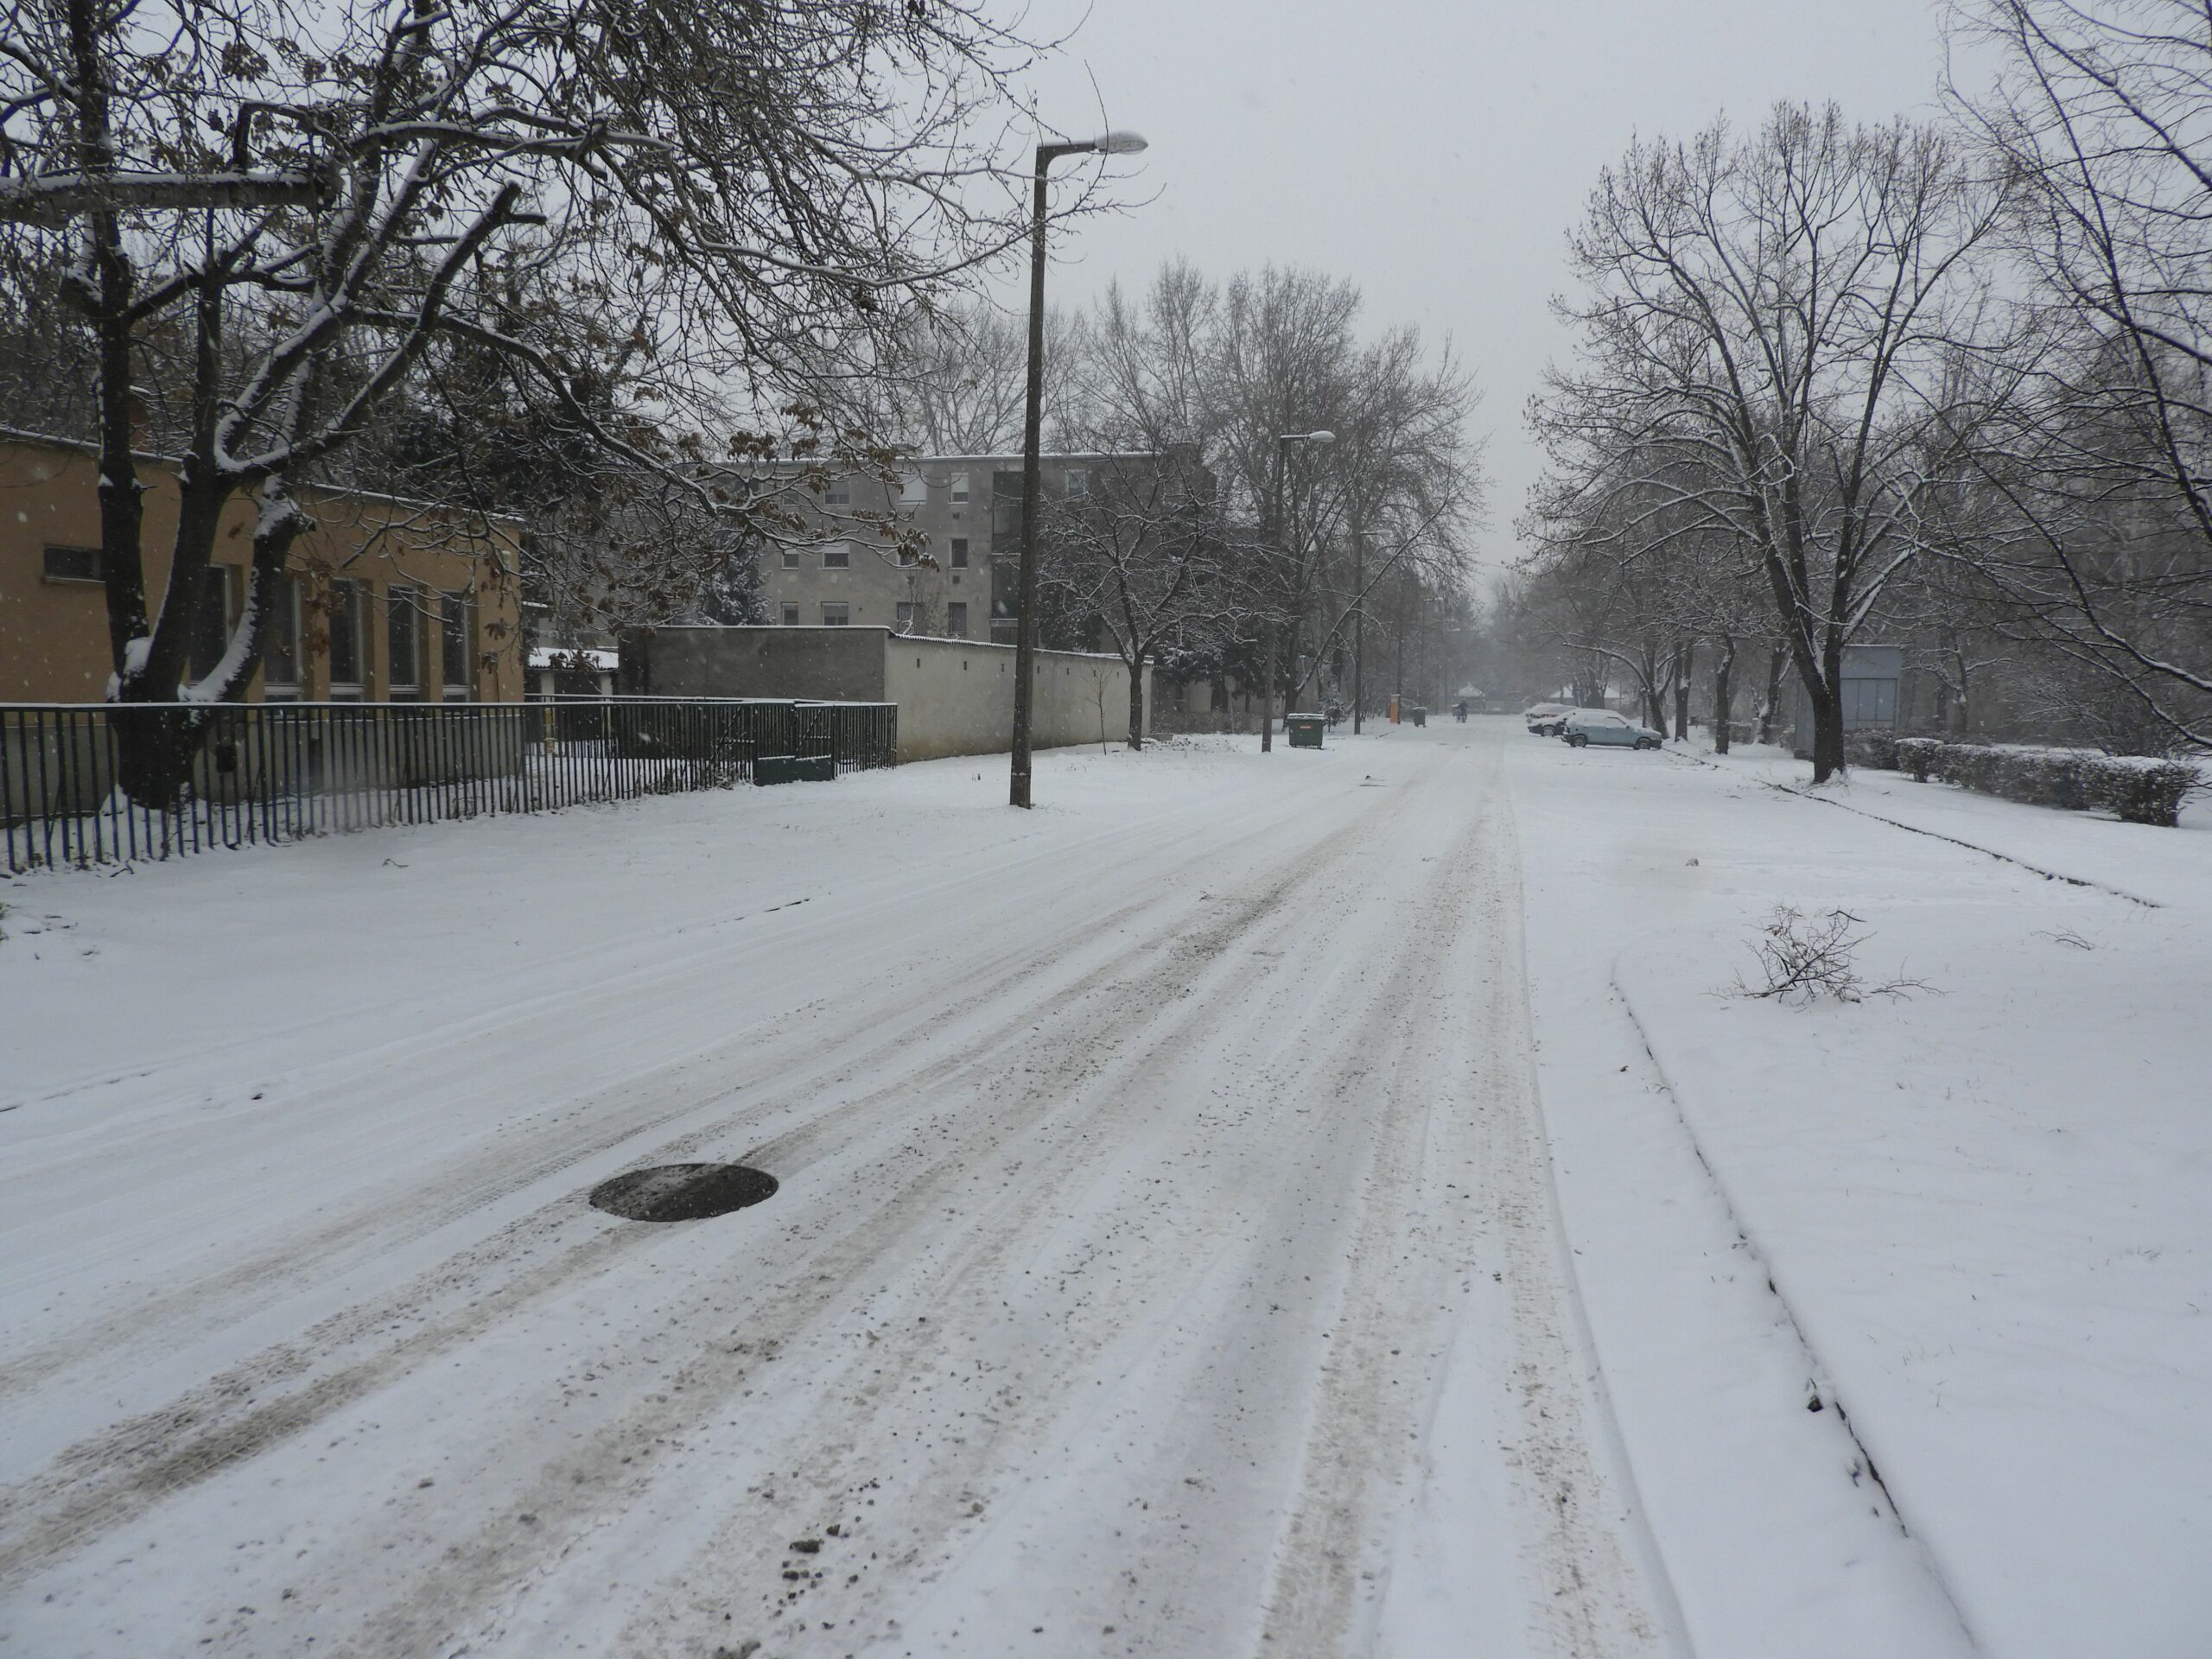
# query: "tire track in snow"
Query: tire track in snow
{"points": [[93, 1488], [1597, 1593], [530, 1151], [471, 1600], [834, 1454], [1611, 1594]]}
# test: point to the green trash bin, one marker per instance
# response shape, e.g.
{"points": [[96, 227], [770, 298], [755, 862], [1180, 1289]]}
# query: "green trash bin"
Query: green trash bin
{"points": [[1304, 730]]}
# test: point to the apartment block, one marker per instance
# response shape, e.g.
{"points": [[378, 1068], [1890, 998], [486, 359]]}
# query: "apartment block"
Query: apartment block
{"points": [[960, 581]]}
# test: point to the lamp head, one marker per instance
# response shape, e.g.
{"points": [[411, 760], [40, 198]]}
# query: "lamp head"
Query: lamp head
{"points": [[1119, 143]]}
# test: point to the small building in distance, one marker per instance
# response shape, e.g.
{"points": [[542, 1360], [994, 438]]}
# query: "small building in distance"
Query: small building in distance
{"points": [[1870, 675], [384, 600]]}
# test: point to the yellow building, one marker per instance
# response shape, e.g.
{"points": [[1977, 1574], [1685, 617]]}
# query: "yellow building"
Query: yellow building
{"points": [[384, 600]]}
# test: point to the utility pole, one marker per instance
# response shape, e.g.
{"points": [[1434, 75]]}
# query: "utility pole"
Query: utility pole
{"points": [[1024, 632], [1358, 623]]}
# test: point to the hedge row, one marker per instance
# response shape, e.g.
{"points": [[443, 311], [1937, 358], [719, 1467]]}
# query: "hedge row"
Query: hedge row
{"points": [[2136, 790]]}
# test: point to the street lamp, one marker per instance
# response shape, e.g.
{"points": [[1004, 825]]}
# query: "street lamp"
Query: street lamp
{"points": [[1025, 628], [1283, 440]]}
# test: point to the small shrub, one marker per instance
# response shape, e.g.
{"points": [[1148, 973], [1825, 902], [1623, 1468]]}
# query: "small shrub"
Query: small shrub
{"points": [[1875, 750], [2140, 791], [2136, 790], [1804, 958]]}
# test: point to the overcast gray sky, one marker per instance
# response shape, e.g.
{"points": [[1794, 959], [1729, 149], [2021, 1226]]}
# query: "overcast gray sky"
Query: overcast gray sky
{"points": [[1435, 152]]}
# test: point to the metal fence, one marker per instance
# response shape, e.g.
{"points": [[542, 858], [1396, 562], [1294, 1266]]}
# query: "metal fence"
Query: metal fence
{"points": [[276, 772]]}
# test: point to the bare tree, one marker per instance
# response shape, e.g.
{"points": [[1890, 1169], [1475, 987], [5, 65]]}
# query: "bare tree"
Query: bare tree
{"points": [[1143, 554], [2101, 118], [952, 379], [311, 208], [1400, 482], [1762, 339]]}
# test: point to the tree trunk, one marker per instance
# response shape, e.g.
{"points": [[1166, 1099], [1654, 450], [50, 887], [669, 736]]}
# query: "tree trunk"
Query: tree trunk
{"points": [[1827, 712], [154, 752], [1136, 701], [1267, 686], [1724, 667], [1684, 661], [1777, 658]]}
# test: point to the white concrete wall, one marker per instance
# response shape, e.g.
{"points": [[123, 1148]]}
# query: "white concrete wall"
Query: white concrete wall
{"points": [[957, 698]]}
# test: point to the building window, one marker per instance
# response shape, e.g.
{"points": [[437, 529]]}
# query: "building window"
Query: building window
{"points": [[790, 616], [790, 558], [905, 616], [960, 552], [1870, 703], [959, 489], [835, 614], [346, 656], [955, 620], [403, 642], [211, 623], [1078, 484], [73, 564], [280, 657], [913, 490], [837, 493], [837, 556], [457, 646], [1005, 514]]}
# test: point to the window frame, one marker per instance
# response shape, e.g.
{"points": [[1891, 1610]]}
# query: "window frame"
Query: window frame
{"points": [[843, 618], [96, 556], [402, 619], [957, 557], [837, 556], [347, 617], [457, 606], [281, 629], [955, 618]]}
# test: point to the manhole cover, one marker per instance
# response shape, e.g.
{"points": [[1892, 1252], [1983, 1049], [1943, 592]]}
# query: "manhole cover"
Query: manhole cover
{"points": [[683, 1192]]}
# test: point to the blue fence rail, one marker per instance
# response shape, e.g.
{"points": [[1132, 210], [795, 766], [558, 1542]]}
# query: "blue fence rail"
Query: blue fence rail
{"points": [[276, 772]]}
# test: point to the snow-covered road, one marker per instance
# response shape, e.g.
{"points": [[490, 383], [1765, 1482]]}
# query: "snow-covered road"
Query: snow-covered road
{"points": [[1150, 1173]]}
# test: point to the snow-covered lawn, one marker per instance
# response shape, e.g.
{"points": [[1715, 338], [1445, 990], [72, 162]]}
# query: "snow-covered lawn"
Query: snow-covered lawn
{"points": [[1167, 1260], [1984, 1206]]}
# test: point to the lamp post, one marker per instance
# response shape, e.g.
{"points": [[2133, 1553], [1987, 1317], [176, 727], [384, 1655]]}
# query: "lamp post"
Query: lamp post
{"points": [[1025, 631], [1283, 440]]}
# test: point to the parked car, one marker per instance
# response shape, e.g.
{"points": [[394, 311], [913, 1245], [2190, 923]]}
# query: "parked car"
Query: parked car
{"points": [[1544, 719], [1584, 727]]}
